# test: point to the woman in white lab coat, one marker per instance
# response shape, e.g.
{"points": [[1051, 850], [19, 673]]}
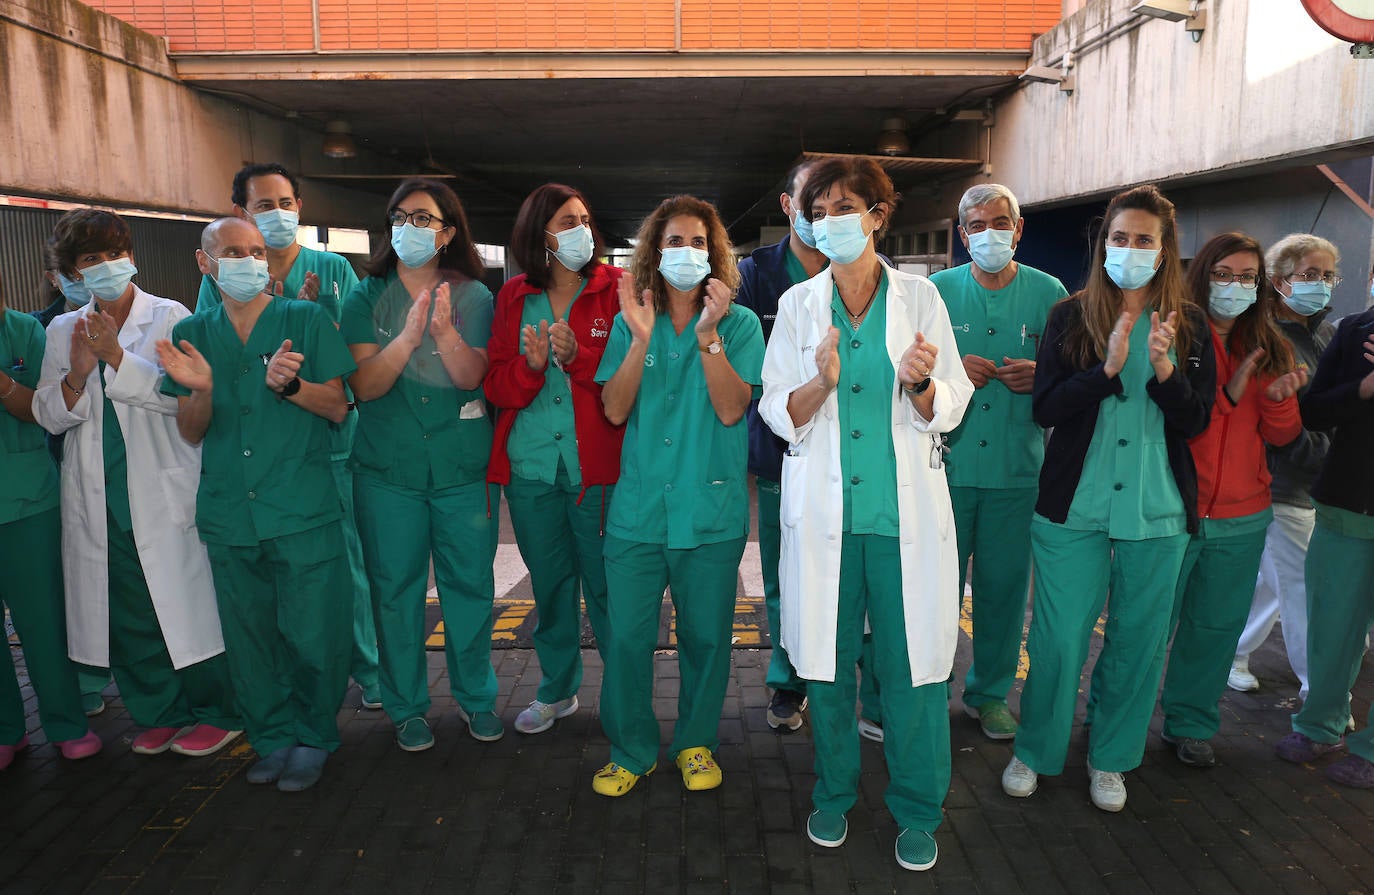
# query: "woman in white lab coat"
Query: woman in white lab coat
{"points": [[861, 376], [138, 588]]}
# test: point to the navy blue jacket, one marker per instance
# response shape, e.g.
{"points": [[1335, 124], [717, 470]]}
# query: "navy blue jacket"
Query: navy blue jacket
{"points": [[763, 278], [1333, 403], [1065, 398]]}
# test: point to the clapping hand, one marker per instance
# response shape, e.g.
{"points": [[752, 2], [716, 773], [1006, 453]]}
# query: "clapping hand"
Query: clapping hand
{"points": [[918, 361], [186, 366], [563, 342], [535, 342], [637, 311], [283, 367]]}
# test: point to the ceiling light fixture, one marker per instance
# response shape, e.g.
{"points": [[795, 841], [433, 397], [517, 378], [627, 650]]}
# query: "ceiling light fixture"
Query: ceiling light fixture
{"points": [[338, 140], [893, 140], [1041, 74]]}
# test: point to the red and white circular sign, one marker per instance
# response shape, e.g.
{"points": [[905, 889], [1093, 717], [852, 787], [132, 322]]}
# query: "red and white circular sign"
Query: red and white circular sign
{"points": [[1351, 20]]}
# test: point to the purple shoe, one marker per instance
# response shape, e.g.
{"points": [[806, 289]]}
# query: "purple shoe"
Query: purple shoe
{"points": [[1300, 749], [1352, 771]]}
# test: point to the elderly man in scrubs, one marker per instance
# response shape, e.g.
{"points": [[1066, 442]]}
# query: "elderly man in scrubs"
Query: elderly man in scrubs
{"points": [[997, 307], [268, 197], [258, 382]]}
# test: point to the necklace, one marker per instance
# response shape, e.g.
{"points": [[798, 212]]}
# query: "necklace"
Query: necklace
{"points": [[570, 284], [856, 319]]}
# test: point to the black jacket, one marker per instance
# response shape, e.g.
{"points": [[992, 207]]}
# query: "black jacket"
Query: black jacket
{"points": [[1294, 466], [1066, 397], [1333, 403]]}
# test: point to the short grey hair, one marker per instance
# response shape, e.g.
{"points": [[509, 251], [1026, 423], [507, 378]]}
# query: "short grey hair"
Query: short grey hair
{"points": [[985, 193], [1283, 256]]}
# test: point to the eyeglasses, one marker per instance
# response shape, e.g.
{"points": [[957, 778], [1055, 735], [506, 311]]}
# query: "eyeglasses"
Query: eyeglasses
{"points": [[1225, 277], [1312, 276], [398, 218]]}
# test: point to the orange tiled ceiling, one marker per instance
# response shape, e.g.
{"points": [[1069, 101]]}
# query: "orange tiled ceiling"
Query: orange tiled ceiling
{"points": [[361, 26]]}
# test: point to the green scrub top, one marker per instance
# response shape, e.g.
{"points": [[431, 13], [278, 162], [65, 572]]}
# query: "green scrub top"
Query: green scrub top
{"points": [[998, 445], [544, 436], [337, 279], [868, 463], [116, 464], [265, 467], [682, 472], [28, 479], [1127, 488], [423, 434], [795, 270], [1345, 522]]}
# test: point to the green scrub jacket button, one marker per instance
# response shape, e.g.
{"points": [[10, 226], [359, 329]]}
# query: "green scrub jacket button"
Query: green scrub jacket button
{"points": [[668, 441], [855, 344], [425, 436], [987, 406], [252, 495], [245, 369], [856, 434], [991, 331], [983, 443], [248, 452], [854, 480], [856, 388], [672, 396], [424, 399], [1122, 442], [558, 399], [1118, 486], [673, 355], [245, 410], [557, 436], [668, 487]]}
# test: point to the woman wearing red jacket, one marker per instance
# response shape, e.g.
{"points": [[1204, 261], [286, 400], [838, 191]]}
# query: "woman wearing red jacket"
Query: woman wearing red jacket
{"points": [[1255, 405], [554, 450]]}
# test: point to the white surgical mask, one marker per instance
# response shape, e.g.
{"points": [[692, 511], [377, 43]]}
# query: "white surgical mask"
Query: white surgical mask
{"points": [[575, 246]]}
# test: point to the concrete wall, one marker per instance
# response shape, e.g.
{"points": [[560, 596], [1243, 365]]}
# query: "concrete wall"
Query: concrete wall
{"points": [[96, 114]]}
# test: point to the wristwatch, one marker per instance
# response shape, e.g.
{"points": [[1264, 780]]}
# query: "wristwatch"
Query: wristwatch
{"points": [[715, 346], [291, 387], [919, 388]]}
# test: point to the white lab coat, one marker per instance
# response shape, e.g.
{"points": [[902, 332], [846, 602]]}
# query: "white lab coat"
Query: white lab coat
{"points": [[812, 495], [164, 473]]}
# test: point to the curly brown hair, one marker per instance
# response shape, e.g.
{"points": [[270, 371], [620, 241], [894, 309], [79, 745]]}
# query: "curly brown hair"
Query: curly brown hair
{"points": [[644, 262]]}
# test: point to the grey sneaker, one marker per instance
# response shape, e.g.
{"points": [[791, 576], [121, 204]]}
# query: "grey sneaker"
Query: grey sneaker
{"points": [[540, 716], [1018, 780], [785, 709], [1192, 751], [1240, 679], [1107, 789], [871, 730]]}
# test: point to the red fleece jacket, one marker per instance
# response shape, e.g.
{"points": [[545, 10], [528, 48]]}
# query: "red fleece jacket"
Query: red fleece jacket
{"points": [[1232, 472], [512, 385]]}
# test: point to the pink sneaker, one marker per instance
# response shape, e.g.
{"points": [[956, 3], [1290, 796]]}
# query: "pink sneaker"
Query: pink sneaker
{"points": [[204, 739], [84, 747], [156, 740], [7, 753]]}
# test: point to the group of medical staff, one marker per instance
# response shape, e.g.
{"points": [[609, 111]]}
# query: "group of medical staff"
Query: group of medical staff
{"points": [[251, 497]]}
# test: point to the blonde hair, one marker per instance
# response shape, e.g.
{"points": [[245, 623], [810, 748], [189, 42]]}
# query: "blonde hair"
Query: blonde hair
{"points": [[720, 253]]}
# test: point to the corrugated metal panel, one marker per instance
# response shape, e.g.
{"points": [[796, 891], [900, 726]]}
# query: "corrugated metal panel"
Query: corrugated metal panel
{"points": [[163, 250]]}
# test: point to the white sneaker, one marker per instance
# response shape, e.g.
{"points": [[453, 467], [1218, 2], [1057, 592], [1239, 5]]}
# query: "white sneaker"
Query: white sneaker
{"points": [[540, 716], [870, 730], [1240, 679], [1107, 789], [1018, 780]]}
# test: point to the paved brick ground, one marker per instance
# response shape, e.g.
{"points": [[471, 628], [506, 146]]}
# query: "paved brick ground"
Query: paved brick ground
{"points": [[519, 815]]}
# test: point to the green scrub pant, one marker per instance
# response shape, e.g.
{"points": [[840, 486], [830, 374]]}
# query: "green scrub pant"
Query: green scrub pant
{"points": [[915, 719], [1340, 610], [703, 580], [284, 608], [1215, 588], [364, 662], [1073, 570], [781, 674], [402, 530], [993, 526], [156, 693], [31, 586], [92, 679], [562, 542]]}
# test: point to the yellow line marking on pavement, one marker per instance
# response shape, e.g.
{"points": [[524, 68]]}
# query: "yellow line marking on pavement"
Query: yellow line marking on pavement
{"points": [[511, 618]]}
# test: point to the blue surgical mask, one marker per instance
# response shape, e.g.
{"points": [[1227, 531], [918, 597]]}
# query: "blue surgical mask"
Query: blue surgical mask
{"points": [[74, 291], [841, 238], [804, 230], [575, 246], [1229, 300], [1131, 268], [278, 227], [991, 249], [242, 279], [414, 245], [684, 267], [1308, 298], [108, 279]]}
